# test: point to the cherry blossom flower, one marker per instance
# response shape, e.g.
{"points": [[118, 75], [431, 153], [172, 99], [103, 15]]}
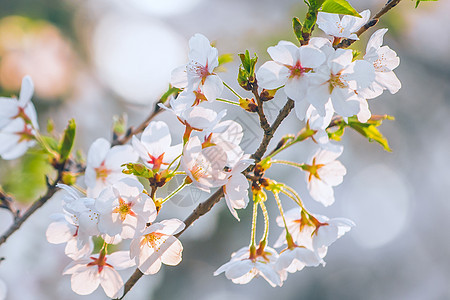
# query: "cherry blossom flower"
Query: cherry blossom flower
{"points": [[290, 67], [332, 25], [236, 188], [204, 166], [122, 207], [324, 172], [101, 269], [103, 166], [154, 147], [313, 232], [339, 80], [198, 75], [18, 122], [76, 225], [241, 269], [157, 245], [384, 60]]}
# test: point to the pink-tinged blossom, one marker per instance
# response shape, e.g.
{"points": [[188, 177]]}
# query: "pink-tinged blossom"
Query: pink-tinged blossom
{"points": [[313, 232], [76, 225], [157, 245], [236, 188], [103, 165], [204, 166], [198, 75], [241, 269], [154, 146], [339, 80], [323, 172], [332, 25], [123, 207], [291, 67], [18, 122], [384, 60], [100, 269]]}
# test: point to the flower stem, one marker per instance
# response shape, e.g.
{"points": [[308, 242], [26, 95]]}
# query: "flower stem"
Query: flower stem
{"points": [[263, 241], [231, 89], [175, 192], [227, 101], [289, 163]]}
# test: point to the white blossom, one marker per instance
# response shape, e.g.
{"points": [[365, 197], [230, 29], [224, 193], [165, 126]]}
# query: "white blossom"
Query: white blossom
{"points": [[339, 80], [324, 172], [332, 25], [18, 122], [198, 75], [154, 146], [291, 67], [384, 60], [89, 273], [123, 207], [241, 269], [103, 165], [76, 225], [157, 245], [313, 232]]}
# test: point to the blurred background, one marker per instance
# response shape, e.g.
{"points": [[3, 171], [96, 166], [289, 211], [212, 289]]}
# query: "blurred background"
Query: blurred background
{"points": [[92, 60]]}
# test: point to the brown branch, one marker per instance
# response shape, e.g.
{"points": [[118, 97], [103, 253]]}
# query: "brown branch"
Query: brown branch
{"points": [[268, 135], [51, 190], [387, 7], [260, 110]]}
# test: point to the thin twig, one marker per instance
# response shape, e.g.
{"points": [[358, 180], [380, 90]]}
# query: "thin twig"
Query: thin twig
{"points": [[372, 22]]}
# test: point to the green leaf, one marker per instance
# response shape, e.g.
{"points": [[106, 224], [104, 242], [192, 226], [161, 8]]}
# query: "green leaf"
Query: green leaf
{"points": [[225, 58], [339, 7], [368, 129], [51, 142], [170, 91], [66, 143], [246, 75], [138, 170], [297, 26], [418, 1]]}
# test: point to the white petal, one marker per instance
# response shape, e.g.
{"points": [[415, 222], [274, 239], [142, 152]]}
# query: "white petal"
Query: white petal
{"points": [[285, 53], [26, 91], [172, 254], [111, 282], [85, 281], [213, 87], [179, 77], [60, 232], [272, 75]]}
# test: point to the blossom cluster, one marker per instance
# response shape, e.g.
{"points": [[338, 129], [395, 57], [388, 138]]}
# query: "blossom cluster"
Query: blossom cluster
{"points": [[119, 196]]}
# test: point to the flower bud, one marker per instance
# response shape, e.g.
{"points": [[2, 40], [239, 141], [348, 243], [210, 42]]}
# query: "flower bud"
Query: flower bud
{"points": [[267, 95], [248, 104]]}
